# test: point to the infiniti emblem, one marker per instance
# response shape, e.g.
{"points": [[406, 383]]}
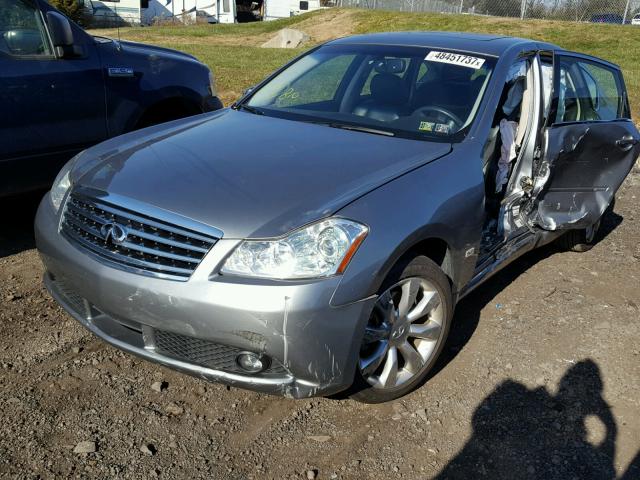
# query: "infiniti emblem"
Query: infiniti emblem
{"points": [[117, 233], [398, 332]]}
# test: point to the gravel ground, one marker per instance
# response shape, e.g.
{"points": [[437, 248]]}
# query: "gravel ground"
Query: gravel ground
{"points": [[540, 379]]}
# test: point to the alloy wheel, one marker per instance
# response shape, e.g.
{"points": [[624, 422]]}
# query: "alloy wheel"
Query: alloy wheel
{"points": [[402, 334]]}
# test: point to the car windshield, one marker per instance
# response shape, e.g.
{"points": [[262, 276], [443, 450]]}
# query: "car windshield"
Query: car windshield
{"points": [[414, 92]]}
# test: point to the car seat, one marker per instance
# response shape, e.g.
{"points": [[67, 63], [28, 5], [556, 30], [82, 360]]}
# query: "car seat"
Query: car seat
{"points": [[389, 95]]}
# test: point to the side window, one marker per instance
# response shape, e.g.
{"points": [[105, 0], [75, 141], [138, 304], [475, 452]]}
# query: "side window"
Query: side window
{"points": [[422, 72], [22, 31], [587, 91], [568, 104], [318, 84], [604, 91]]}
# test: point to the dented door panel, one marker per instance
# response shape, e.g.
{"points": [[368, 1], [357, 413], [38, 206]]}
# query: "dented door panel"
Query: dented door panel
{"points": [[583, 167]]}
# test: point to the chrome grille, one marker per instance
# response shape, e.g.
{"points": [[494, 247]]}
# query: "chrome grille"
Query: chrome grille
{"points": [[148, 245]]}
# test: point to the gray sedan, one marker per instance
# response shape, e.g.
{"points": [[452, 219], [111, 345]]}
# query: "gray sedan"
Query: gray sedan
{"points": [[316, 236]]}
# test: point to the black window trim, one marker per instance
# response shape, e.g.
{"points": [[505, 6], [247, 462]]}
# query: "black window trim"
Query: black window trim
{"points": [[46, 39], [580, 57]]}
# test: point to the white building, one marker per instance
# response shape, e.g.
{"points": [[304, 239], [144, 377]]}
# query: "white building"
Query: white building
{"points": [[105, 12], [189, 11]]}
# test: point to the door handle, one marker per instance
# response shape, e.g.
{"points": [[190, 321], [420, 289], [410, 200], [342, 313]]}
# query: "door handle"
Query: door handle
{"points": [[626, 142]]}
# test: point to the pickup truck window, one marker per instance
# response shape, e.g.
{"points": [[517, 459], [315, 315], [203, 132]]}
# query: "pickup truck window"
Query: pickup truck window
{"points": [[22, 30]]}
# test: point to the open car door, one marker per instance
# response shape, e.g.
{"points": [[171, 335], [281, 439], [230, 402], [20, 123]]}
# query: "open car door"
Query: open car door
{"points": [[590, 144]]}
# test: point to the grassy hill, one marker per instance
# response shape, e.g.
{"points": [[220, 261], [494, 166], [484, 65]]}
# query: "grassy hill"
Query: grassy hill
{"points": [[233, 51]]}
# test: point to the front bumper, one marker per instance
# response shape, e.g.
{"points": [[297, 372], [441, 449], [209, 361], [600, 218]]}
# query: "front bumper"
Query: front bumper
{"points": [[313, 345]]}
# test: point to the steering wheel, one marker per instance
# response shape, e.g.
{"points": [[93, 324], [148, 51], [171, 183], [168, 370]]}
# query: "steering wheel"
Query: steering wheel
{"points": [[447, 113]]}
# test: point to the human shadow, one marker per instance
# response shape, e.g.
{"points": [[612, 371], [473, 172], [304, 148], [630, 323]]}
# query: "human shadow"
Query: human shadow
{"points": [[16, 230], [531, 434]]}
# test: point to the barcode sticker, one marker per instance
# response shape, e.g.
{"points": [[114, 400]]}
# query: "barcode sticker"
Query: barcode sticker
{"points": [[455, 59]]}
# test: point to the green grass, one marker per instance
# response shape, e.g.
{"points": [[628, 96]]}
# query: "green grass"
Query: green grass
{"points": [[179, 31], [233, 54], [237, 68]]}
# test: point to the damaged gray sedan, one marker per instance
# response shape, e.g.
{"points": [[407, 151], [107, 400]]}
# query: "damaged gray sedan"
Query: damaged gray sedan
{"points": [[316, 236]]}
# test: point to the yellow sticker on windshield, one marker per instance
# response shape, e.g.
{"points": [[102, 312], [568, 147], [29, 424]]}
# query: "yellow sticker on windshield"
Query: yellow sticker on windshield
{"points": [[426, 126], [455, 59]]}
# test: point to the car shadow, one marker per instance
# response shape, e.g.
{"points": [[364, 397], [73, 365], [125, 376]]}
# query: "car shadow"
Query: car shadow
{"points": [[18, 214], [530, 433], [467, 313], [610, 221]]}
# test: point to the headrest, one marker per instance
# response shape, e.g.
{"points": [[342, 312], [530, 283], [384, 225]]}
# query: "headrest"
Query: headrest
{"points": [[455, 73], [389, 88]]}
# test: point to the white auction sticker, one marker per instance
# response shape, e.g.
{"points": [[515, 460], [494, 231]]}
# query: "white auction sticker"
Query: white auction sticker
{"points": [[455, 59]]}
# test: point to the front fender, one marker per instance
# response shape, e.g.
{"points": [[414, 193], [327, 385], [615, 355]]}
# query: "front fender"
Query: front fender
{"points": [[441, 200], [156, 76]]}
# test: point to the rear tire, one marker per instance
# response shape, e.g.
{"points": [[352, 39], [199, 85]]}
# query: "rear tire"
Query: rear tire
{"points": [[579, 240], [407, 330], [584, 239]]}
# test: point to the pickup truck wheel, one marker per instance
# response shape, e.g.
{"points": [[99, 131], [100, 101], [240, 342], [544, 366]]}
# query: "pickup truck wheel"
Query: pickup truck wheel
{"points": [[406, 332]]}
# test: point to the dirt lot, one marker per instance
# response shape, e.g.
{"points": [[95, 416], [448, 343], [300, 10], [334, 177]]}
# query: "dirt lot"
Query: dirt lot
{"points": [[540, 379]]}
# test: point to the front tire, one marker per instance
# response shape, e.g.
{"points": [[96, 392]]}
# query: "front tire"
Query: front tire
{"points": [[406, 332]]}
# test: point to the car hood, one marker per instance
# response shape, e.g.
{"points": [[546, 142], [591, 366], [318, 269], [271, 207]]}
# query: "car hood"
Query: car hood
{"points": [[248, 175], [152, 50]]}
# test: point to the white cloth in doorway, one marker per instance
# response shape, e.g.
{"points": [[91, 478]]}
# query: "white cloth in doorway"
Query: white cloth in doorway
{"points": [[508, 130]]}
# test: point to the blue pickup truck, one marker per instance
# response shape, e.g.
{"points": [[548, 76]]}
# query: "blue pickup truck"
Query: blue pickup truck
{"points": [[63, 90]]}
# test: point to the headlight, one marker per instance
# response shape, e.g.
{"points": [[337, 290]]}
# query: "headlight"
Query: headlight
{"points": [[321, 249], [61, 185]]}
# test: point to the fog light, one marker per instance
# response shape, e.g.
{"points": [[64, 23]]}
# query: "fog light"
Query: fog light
{"points": [[252, 362]]}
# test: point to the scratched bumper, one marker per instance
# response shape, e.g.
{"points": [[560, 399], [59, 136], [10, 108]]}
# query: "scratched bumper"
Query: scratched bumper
{"points": [[314, 344]]}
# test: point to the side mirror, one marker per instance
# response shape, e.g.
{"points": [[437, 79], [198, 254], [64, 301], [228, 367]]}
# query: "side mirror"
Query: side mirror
{"points": [[61, 33]]}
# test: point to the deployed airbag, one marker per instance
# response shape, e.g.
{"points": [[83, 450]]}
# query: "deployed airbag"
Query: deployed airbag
{"points": [[508, 131]]}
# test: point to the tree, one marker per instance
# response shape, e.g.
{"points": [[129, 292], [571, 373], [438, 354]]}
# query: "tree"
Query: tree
{"points": [[11, 16], [502, 8], [73, 9]]}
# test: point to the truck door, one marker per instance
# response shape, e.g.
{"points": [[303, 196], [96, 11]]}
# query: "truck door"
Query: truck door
{"points": [[52, 107], [589, 147]]}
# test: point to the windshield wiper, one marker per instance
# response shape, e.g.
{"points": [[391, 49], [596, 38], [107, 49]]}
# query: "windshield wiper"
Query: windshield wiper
{"points": [[358, 128], [247, 108]]}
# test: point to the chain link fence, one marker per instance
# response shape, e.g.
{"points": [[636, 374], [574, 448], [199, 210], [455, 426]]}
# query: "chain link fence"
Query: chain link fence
{"points": [[597, 11], [439, 6], [616, 12]]}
